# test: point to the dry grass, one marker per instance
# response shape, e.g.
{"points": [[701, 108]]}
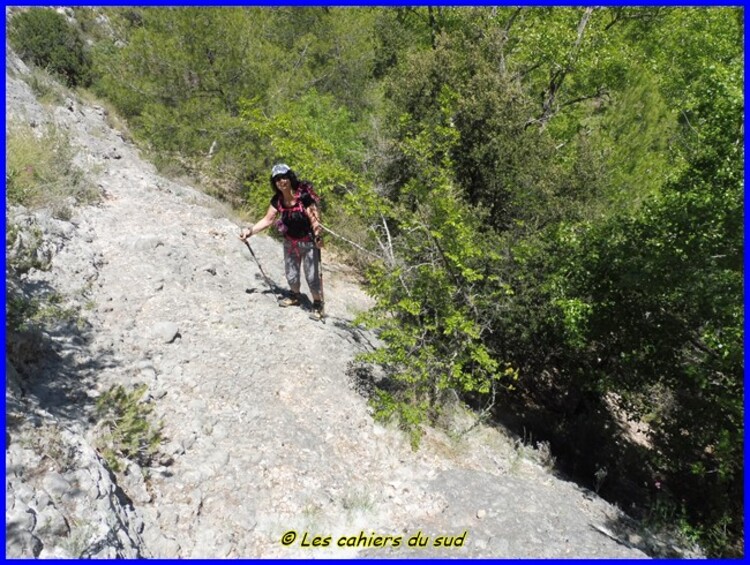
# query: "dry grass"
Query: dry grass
{"points": [[111, 116], [40, 172]]}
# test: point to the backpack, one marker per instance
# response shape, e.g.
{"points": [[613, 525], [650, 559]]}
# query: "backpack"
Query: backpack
{"points": [[306, 187], [303, 188]]}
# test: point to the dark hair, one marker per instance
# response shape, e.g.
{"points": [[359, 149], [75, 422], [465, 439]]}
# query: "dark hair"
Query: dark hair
{"points": [[291, 176]]}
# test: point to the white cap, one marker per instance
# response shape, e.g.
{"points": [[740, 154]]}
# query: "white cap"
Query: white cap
{"points": [[280, 169]]}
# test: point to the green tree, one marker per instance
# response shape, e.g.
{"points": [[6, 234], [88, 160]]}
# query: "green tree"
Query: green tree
{"points": [[45, 38], [647, 301]]}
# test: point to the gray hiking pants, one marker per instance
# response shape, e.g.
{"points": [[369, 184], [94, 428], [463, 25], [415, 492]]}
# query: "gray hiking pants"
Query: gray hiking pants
{"points": [[302, 253]]}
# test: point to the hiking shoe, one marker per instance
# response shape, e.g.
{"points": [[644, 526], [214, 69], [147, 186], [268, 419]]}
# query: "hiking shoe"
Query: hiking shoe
{"points": [[292, 300], [317, 310]]}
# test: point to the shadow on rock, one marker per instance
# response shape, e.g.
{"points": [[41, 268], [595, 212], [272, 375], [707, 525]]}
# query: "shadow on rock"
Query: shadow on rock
{"points": [[49, 346], [589, 447]]}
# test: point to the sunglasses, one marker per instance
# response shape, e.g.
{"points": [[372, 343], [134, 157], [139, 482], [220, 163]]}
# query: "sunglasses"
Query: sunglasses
{"points": [[279, 177]]}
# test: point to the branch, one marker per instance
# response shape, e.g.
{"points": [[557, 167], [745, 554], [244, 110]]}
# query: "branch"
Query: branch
{"points": [[558, 77], [520, 75], [433, 27], [600, 93], [618, 16], [390, 242], [444, 259], [622, 15], [582, 27], [511, 20], [504, 40]]}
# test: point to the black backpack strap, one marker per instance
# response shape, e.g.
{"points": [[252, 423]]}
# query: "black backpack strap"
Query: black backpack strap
{"points": [[307, 187]]}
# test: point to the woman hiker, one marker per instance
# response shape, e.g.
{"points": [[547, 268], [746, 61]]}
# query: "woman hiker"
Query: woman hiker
{"points": [[299, 221]]}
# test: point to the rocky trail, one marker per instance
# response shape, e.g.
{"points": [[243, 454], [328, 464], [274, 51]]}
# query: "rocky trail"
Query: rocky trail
{"points": [[270, 450]]}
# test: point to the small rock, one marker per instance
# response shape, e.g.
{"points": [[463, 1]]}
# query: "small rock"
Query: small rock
{"points": [[55, 552], [42, 500], [22, 544], [481, 514], [113, 153], [166, 459], [146, 242], [51, 523], [134, 484], [188, 442], [20, 518], [635, 539], [163, 545], [24, 493], [480, 543], [166, 332], [147, 376], [56, 485]]}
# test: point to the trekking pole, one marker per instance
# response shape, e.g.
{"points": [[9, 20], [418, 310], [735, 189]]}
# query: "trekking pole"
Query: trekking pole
{"points": [[319, 260], [262, 272]]}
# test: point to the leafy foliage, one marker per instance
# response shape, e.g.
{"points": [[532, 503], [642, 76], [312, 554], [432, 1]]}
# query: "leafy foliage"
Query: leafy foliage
{"points": [[646, 301], [45, 38], [429, 306]]}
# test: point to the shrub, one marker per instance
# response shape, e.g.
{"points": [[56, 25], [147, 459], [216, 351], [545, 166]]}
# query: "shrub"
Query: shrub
{"points": [[44, 38], [129, 433]]}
